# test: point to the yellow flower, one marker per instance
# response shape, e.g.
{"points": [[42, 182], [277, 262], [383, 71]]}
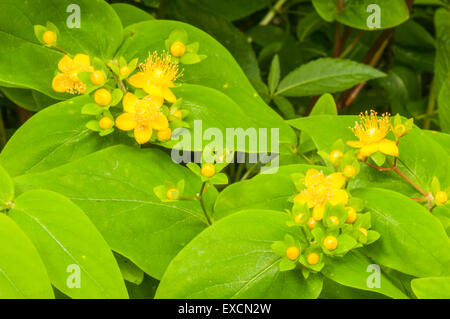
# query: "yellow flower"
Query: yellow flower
{"points": [[143, 116], [320, 189], [371, 133], [67, 80], [157, 76]]}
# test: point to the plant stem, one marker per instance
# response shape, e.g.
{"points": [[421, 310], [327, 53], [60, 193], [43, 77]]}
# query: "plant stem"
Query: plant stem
{"points": [[394, 168], [406, 178], [430, 107], [119, 81], [202, 203], [61, 50], [423, 116], [271, 14], [239, 171], [351, 45], [249, 171], [371, 58]]}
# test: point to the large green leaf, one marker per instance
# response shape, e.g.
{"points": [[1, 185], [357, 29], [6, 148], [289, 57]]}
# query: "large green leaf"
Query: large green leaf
{"points": [[53, 137], [442, 61], [234, 259], [27, 63], [431, 287], [216, 110], [64, 236], [6, 187], [264, 191], [352, 270], [326, 75], [412, 240], [115, 186], [444, 106], [218, 71], [326, 9], [22, 272], [356, 13], [28, 99]]}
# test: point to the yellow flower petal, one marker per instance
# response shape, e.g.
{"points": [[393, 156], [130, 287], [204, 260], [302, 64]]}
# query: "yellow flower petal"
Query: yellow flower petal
{"points": [[82, 60], [355, 144], [159, 122], [65, 64], [153, 89], [336, 180], [142, 134], [126, 122], [139, 80], [61, 83], [129, 102], [154, 101], [318, 212], [169, 96], [313, 177], [300, 198], [340, 196], [369, 149], [388, 147]]}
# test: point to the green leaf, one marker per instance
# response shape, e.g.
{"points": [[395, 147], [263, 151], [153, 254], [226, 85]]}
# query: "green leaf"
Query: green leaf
{"points": [[442, 61], [333, 290], [326, 75], [146, 290], [92, 109], [54, 136], [358, 14], [64, 236], [114, 187], [443, 214], [325, 105], [412, 240], [285, 106], [129, 270], [431, 287], [326, 9], [28, 63], [225, 114], [264, 191], [130, 14], [28, 99], [274, 74], [412, 34], [308, 25], [6, 188], [420, 61], [353, 270], [218, 71], [233, 259], [444, 106], [23, 273]]}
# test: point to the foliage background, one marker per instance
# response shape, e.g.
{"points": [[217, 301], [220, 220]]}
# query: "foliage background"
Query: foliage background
{"points": [[403, 68]]}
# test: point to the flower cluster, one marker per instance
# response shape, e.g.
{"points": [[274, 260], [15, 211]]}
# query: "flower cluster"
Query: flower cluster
{"points": [[145, 116], [328, 222], [68, 80]]}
